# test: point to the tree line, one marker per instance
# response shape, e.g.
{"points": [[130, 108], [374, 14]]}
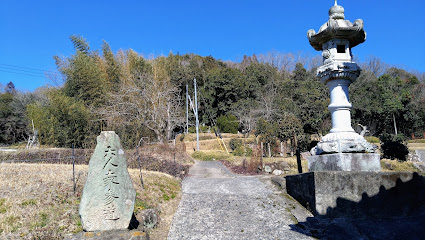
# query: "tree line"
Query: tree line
{"points": [[271, 95]]}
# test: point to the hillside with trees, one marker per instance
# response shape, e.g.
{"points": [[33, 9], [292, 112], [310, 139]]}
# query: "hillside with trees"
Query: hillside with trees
{"points": [[272, 95]]}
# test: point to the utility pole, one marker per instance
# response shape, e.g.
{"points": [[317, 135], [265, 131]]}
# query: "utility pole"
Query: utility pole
{"points": [[187, 110], [196, 116], [194, 106]]}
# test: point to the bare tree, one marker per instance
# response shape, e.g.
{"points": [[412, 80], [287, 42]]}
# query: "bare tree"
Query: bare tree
{"points": [[286, 62], [419, 75], [267, 105], [375, 65], [150, 102], [282, 61], [248, 116], [314, 62]]}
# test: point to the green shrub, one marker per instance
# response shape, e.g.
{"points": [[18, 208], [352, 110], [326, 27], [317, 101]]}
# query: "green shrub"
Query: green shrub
{"points": [[44, 219], [304, 143], [3, 208], [140, 205], [240, 151], [192, 129], [228, 123], [372, 139], [29, 202], [386, 137], [395, 150], [210, 156], [235, 143], [202, 129], [165, 197]]}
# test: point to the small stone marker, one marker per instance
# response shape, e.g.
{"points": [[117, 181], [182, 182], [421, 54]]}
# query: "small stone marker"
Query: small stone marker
{"points": [[108, 195]]}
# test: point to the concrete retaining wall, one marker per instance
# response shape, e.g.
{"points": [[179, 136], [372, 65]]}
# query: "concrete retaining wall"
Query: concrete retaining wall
{"points": [[359, 194]]}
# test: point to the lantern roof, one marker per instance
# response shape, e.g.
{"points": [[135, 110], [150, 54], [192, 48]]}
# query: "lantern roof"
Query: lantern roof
{"points": [[337, 27]]}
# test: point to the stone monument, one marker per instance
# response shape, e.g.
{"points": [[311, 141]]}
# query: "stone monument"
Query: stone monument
{"points": [[108, 196], [344, 178], [342, 149]]}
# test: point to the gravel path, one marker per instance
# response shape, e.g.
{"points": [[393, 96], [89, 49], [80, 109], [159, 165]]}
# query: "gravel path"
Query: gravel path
{"points": [[217, 204]]}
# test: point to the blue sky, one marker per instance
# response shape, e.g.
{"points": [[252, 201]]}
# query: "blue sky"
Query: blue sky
{"points": [[32, 32]]}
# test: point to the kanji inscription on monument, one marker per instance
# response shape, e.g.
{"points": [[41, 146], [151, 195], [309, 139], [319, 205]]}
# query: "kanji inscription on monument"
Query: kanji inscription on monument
{"points": [[108, 195]]}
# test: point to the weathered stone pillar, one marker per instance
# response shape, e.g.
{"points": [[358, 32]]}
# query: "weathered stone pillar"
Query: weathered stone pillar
{"points": [[108, 196], [340, 106]]}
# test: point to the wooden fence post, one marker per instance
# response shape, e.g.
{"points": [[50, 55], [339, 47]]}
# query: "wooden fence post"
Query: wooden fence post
{"points": [[261, 157], [300, 168], [73, 167]]}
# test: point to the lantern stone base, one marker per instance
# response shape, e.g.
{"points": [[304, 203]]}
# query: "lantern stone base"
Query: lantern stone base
{"points": [[369, 162], [342, 142]]}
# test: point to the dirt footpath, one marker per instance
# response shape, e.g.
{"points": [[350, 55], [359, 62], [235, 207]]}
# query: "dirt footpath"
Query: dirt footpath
{"points": [[217, 204]]}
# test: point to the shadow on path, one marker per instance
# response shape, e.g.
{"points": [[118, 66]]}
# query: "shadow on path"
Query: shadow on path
{"points": [[394, 213]]}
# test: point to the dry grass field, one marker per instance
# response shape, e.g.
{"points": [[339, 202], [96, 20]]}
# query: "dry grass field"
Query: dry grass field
{"points": [[292, 162], [210, 150], [388, 165], [416, 146], [208, 141], [37, 200]]}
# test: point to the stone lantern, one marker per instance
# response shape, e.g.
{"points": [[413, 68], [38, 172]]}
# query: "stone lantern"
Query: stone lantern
{"points": [[342, 148]]}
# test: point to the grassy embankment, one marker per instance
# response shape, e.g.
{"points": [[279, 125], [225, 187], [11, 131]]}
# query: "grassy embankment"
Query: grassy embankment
{"points": [[37, 200], [417, 144]]}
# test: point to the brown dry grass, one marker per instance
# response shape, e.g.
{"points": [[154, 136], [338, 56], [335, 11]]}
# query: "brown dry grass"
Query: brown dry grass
{"points": [[207, 145], [208, 141], [37, 200], [416, 146], [292, 162], [209, 155], [254, 161], [388, 165], [208, 136]]}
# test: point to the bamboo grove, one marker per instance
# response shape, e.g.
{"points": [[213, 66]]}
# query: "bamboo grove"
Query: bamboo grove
{"points": [[271, 95]]}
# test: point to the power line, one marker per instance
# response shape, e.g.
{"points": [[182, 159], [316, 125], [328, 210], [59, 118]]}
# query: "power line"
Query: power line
{"points": [[14, 66], [28, 74], [33, 72], [21, 70]]}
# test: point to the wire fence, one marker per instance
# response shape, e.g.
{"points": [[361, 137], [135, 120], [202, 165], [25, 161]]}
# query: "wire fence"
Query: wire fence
{"points": [[163, 158], [56, 160]]}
